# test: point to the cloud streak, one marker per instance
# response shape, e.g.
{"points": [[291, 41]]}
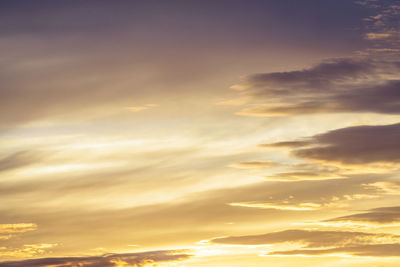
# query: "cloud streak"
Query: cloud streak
{"points": [[310, 238], [323, 243], [378, 250], [378, 216], [107, 260], [279, 206]]}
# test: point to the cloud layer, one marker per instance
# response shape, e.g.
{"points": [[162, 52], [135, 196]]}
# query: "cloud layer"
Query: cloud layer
{"points": [[107, 260], [323, 243], [309, 238], [379, 250]]}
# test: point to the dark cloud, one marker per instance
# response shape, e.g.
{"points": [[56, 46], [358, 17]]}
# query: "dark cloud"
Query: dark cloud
{"points": [[376, 250], [339, 85], [353, 145], [107, 260], [311, 239], [326, 73], [384, 215]]}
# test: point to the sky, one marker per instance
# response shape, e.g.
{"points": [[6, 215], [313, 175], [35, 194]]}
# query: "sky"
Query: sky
{"points": [[187, 133]]}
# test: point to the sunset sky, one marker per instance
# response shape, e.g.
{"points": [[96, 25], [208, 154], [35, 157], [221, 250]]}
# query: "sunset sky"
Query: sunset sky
{"points": [[189, 133]]}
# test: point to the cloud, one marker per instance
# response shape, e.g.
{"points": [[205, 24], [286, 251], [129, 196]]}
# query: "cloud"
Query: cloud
{"points": [[337, 85], [279, 206], [378, 216], [140, 108], [200, 210], [353, 145], [368, 82], [60, 82], [386, 187], [310, 238], [304, 172], [255, 164], [293, 204], [107, 260], [377, 250], [326, 73], [17, 227], [285, 144], [313, 242], [304, 175], [373, 36], [29, 250], [294, 171], [383, 27], [8, 230], [19, 159]]}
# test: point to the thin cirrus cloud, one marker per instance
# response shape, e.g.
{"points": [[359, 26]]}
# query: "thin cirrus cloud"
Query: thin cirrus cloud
{"points": [[107, 260]]}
